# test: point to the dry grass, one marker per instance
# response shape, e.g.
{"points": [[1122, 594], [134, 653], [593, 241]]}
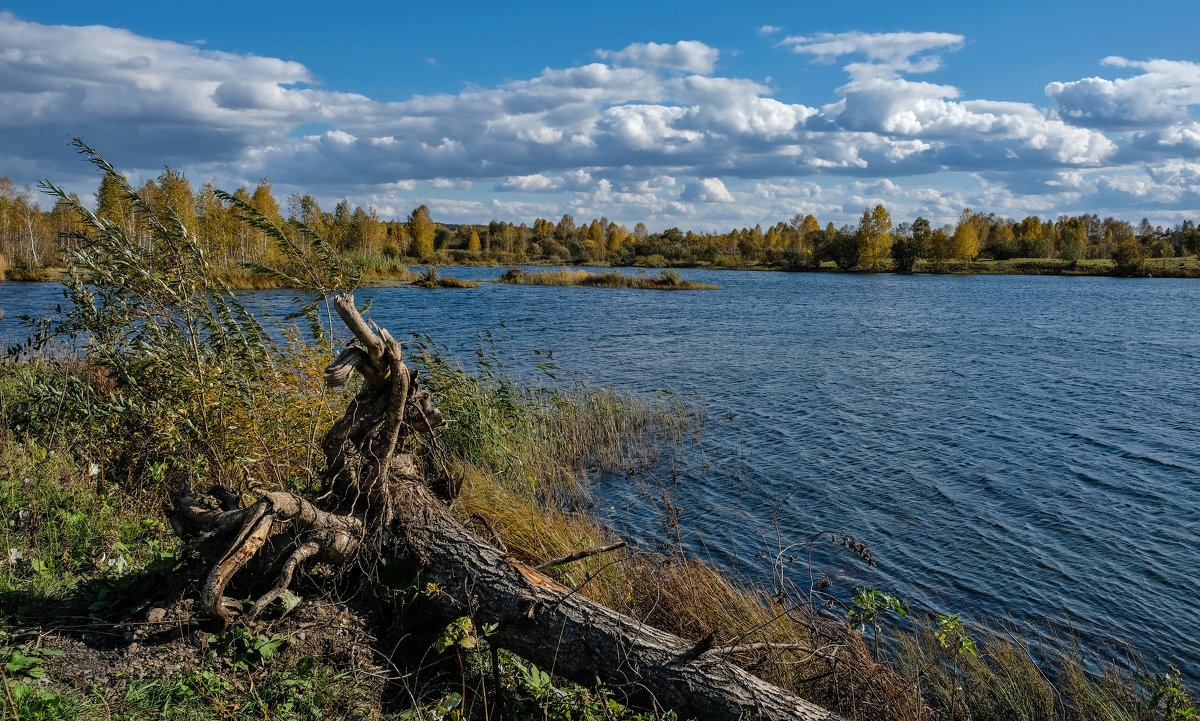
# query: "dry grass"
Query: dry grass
{"points": [[1007, 676], [24, 274], [452, 282]]}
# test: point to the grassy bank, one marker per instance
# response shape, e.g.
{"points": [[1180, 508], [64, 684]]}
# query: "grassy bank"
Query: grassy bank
{"points": [[90, 555], [667, 279]]}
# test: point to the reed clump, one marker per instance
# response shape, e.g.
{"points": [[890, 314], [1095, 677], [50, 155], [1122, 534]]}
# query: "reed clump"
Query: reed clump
{"points": [[432, 278], [667, 279]]}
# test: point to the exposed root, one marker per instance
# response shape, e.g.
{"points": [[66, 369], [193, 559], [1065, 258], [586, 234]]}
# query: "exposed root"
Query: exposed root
{"points": [[300, 555], [254, 534], [352, 519]]}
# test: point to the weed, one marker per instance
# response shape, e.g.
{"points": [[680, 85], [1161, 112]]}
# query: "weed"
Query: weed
{"points": [[1166, 691], [868, 608], [22, 675], [668, 279], [245, 650]]}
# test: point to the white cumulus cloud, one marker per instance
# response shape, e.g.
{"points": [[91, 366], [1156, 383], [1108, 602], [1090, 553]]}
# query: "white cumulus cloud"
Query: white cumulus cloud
{"points": [[706, 190], [888, 53], [689, 56], [607, 137], [1160, 95]]}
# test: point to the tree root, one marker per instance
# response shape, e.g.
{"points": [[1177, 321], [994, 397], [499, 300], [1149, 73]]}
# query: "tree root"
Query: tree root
{"points": [[314, 535]]}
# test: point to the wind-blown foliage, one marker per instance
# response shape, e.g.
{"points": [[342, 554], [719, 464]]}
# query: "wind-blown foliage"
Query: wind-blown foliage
{"points": [[187, 365], [319, 269]]}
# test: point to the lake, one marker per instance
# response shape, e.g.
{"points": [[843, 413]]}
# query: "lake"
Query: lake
{"points": [[1021, 447]]}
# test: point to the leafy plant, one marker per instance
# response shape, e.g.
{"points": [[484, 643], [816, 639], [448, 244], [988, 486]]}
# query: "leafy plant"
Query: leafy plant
{"points": [[1166, 691], [669, 276], [952, 635], [430, 277], [461, 633], [249, 650], [189, 371], [22, 669], [868, 608]]}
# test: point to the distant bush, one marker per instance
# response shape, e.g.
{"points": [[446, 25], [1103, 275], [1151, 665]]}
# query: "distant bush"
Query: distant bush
{"points": [[1129, 258]]}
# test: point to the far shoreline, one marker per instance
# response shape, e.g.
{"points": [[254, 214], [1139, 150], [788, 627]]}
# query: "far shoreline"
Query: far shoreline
{"points": [[401, 274]]}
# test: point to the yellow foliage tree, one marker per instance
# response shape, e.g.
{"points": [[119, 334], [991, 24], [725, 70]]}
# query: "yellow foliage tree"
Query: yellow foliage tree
{"points": [[874, 237], [420, 228]]}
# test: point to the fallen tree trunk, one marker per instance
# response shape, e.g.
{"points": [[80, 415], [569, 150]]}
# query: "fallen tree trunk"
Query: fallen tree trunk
{"points": [[376, 503], [568, 634]]}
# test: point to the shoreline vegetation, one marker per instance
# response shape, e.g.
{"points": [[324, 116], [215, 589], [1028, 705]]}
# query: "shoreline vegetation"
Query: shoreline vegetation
{"points": [[395, 273], [35, 242], [181, 387]]}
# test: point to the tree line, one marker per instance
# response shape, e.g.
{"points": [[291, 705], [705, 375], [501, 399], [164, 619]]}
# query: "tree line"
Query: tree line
{"points": [[30, 235]]}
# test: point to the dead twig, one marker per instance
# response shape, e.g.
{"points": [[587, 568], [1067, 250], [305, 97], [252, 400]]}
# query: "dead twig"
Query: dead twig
{"points": [[579, 556]]}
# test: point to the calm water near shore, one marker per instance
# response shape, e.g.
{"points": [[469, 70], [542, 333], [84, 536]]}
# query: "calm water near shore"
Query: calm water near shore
{"points": [[1008, 446]]}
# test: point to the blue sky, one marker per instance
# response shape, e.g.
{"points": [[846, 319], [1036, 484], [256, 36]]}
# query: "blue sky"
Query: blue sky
{"points": [[704, 115]]}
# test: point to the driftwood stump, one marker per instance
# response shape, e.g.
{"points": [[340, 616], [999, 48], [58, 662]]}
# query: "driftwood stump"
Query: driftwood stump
{"points": [[375, 502]]}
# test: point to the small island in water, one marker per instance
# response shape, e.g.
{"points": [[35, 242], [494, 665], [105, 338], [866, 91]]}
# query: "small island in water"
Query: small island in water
{"points": [[667, 279]]}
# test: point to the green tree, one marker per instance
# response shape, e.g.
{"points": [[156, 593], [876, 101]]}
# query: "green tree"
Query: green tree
{"points": [[843, 247], [1129, 257], [910, 246], [1001, 242], [1072, 243]]}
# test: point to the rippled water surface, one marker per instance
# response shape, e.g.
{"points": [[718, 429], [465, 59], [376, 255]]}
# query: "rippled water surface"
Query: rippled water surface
{"points": [[1008, 446]]}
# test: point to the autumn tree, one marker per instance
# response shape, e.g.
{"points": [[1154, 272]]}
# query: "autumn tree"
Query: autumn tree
{"points": [[112, 205], [175, 192], [941, 246], [422, 231], [874, 237], [216, 225], [968, 234]]}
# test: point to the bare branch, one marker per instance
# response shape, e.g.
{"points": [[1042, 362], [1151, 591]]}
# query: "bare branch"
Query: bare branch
{"points": [[579, 556], [348, 312]]}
